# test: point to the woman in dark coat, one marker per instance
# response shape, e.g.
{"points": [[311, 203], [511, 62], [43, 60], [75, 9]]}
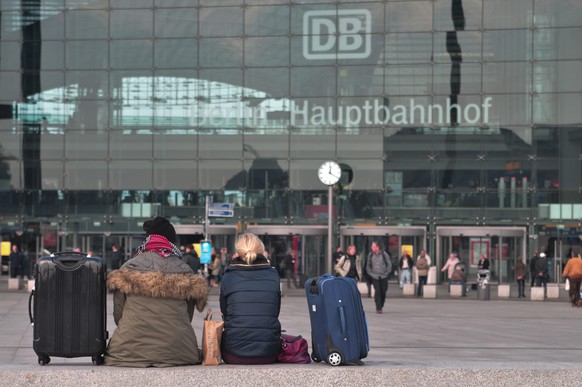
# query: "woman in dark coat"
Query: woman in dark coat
{"points": [[250, 301]]}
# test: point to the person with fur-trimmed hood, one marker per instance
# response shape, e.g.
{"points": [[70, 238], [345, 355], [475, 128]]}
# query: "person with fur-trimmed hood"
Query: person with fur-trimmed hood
{"points": [[155, 293]]}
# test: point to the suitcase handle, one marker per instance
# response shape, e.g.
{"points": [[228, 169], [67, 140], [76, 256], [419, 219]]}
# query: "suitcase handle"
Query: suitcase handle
{"points": [[342, 319], [68, 260], [30, 307]]}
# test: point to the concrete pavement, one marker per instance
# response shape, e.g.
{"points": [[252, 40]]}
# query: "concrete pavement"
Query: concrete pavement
{"points": [[435, 342]]}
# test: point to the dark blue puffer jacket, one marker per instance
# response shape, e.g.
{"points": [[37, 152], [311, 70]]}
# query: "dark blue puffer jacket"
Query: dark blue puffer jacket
{"points": [[250, 300]]}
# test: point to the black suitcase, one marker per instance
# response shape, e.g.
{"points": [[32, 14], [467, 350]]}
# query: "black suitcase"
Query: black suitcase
{"points": [[69, 304]]}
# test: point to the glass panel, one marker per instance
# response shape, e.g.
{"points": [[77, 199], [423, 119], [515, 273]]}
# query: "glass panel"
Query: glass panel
{"points": [[267, 51], [176, 146], [127, 54], [175, 53], [507, 45], [218, 174], [274, 81], [458, 15], [221, 52], [140, 20], [131, 3], [313, 81], [86, 145], [175, 174], [9, 60], [357, 81], [507, 77], [176, 23], [51, 172], [86, 55], [271, 21], [87, 24], [124, 146], [409, 16], [313, 146], [223, 21], [261, 175], [557, 109], [86, 85], [265, 146], [51, 146], [89, 115], [86, 175], [558, 44], [10, 84], [72, 4], [469, 80], [548, 14], [508, 14], [412, 48], [52, 55], [51, 25], [510, 109], [130, 175], [229, 146], [408, 80], [558, 77], [449, 46], [361, 144]]}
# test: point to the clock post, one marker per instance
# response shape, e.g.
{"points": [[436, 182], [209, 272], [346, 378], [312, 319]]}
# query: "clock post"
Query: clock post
{"points": [[329, 229], [329, 173]]}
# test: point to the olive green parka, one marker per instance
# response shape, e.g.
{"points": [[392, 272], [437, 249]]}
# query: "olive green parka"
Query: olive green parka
{"points": [[153, 305]]}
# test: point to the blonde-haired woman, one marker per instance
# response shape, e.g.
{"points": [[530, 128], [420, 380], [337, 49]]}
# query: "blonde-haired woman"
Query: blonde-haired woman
{"points": [[250, 301]]}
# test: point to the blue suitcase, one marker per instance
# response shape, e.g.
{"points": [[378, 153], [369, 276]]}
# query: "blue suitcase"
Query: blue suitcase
{"points": [[339, 329]]}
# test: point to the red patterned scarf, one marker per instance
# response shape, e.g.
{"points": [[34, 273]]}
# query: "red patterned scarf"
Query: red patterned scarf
{"points": [[159, 245]]}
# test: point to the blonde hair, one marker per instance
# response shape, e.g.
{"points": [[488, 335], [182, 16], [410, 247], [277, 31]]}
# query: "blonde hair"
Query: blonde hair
{"points": [[248, 246]]}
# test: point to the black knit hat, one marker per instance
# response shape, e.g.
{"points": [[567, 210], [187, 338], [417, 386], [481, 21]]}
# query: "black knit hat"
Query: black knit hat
{"points": [[160, 226]]}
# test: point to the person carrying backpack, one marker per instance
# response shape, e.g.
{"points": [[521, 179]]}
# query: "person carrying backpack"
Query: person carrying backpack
{"points": [[378, 268]]}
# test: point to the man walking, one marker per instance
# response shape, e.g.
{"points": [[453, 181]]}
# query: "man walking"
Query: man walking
{"points": [[379, 267]]}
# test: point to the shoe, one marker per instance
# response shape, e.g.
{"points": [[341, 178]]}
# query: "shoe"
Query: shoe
{"points": [[379, 311]]}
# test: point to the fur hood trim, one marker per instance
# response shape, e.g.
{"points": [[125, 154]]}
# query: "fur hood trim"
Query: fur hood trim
{"points": [[160, 285]]}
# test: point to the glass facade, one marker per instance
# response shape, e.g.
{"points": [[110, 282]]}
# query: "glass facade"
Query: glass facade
{"points": [[441, 113]]}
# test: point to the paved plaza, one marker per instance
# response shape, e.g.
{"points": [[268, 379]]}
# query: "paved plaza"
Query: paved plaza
{"points": [[433, 342]]}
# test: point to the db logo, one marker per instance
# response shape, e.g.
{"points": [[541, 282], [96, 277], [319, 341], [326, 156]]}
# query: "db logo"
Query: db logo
{"points": [[337, 34]]}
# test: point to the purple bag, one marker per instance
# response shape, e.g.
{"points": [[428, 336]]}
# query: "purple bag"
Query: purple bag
{"points": [[294, 349]]}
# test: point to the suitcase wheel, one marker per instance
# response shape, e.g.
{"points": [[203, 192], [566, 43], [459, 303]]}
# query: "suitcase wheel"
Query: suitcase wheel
{"points": [[315, 358], [98, 360], [44, 360], [334, 359]]}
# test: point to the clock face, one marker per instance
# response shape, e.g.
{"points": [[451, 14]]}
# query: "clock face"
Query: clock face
{"points": [[329, 173]]}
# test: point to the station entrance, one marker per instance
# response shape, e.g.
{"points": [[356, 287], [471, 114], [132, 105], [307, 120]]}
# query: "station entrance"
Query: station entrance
{"points": [[309, 243], [394, 239], [502, 245]]}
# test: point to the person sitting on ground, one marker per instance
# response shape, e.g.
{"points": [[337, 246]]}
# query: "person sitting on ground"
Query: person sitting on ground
{"points": [[250, 302], [155, 293]]}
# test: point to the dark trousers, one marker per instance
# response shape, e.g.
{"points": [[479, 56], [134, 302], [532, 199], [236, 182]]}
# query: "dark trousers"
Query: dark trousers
{"points": [[421, 282], [533, 278], [575, 289], [542, 281], [521, 288], [380, 287], [291, 276]]}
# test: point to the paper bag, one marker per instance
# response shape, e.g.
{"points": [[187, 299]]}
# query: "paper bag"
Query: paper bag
{"points": [[211, 335]]}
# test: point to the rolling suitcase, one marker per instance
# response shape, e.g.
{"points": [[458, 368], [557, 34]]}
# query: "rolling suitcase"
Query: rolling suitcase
{"points": [[69, 305], [339, 329]]}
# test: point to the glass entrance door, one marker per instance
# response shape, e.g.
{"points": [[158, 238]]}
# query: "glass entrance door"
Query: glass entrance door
{"points": [[309, 243], [502, 245], [394, 240]]}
